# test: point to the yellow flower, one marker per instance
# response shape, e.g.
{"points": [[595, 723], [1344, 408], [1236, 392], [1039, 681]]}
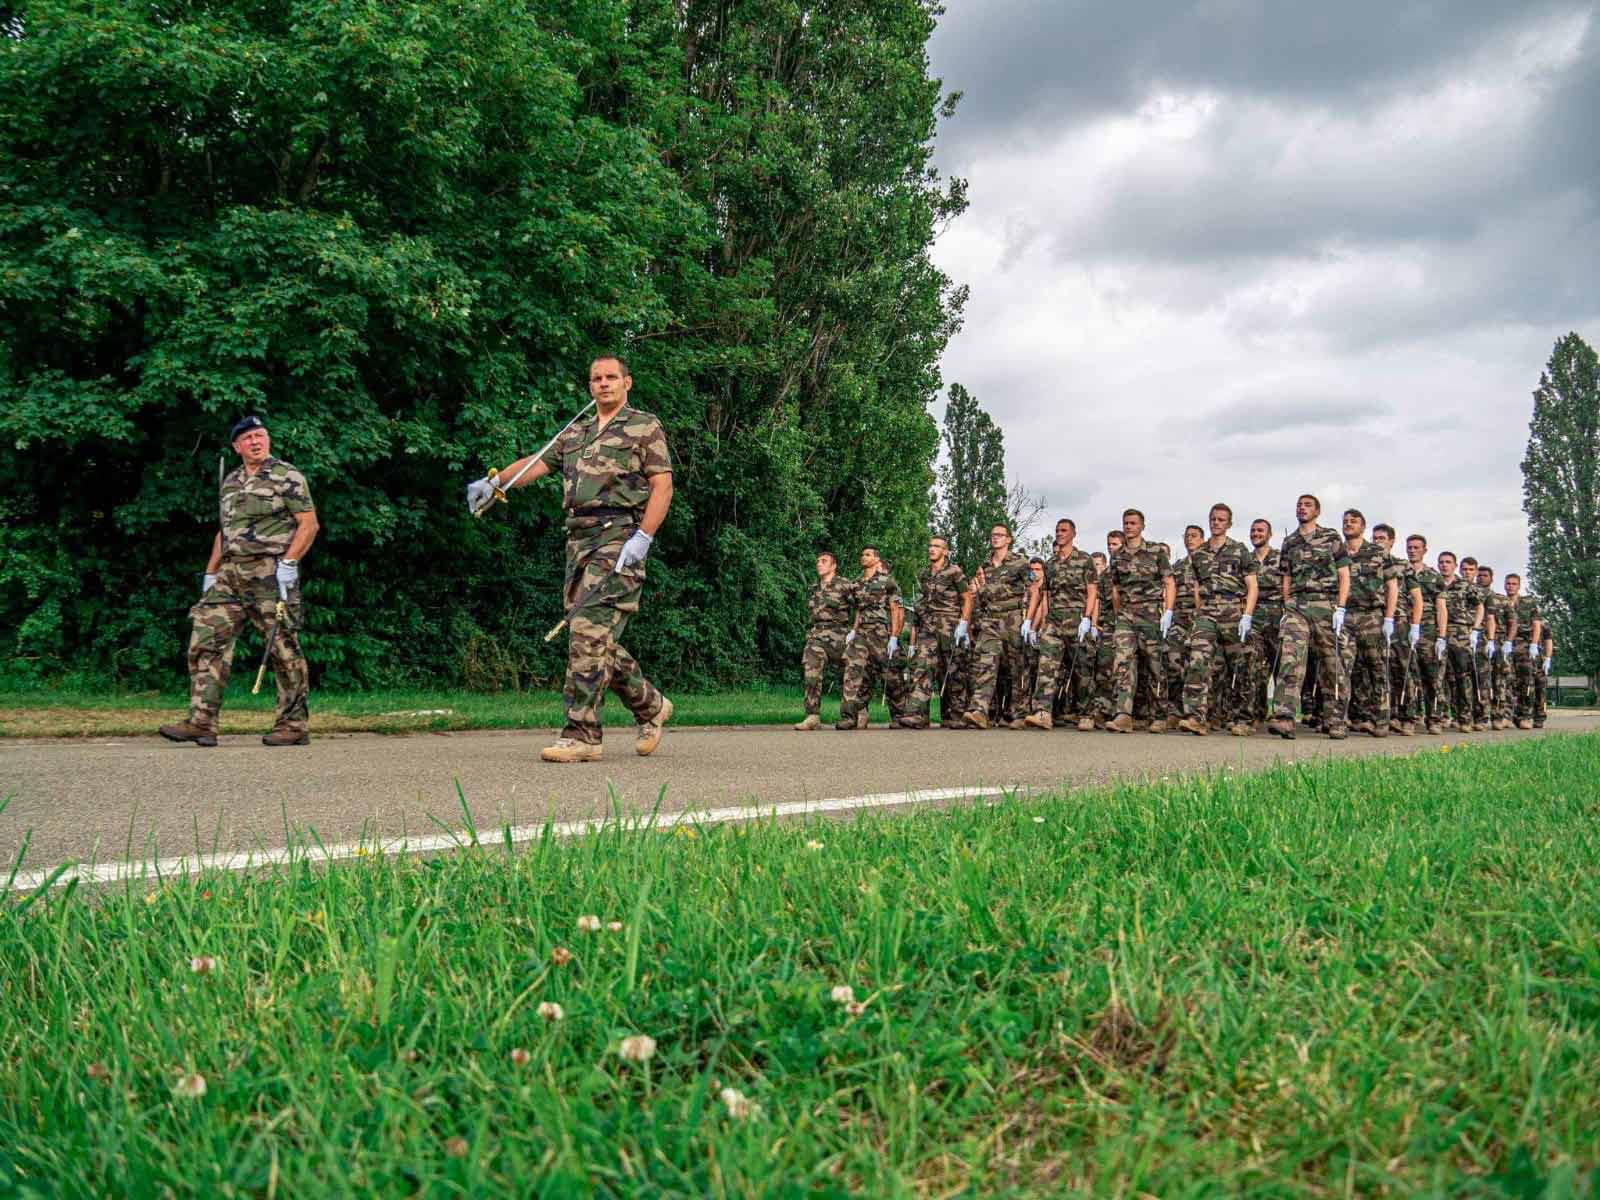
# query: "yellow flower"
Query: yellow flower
{"points": [[1445, 749]]}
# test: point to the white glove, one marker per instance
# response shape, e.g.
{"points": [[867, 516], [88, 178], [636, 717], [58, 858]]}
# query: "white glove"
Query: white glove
{"points": [[1245, 622], [1027, 633], [207, 582], [849, 638], [1472, 638], [1548, 660], [1415, 636], [1166, 622], [1438, 648], [911, 651], [480, 493], [1388, 630], [634, 550], [1338, 621], [1493, 646], [1083, 628], [962, 638], [1094, 633], [1506, 649], [894, 646], [288, 574]]}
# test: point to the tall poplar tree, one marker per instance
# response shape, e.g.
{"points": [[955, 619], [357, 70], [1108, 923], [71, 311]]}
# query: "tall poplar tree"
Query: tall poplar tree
{"points": [[972, 478]]}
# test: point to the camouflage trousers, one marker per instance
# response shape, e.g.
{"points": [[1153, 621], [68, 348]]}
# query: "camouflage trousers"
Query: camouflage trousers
{"points": [[1370, 693], [1407, 678], [1140, 652], [1105, 678], [940, 667], [1263, 643], [1066, 665], [1307, 633], [1541, 685], [1500, 686], [999, 643], [824, 648], [596, 661], [1214, 643], [1176, 658], [246, 590], [866, 663], [1461, 678], [1523, 669]]}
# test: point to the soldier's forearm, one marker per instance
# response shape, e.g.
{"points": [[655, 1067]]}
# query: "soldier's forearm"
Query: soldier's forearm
{"points": [[538, 471], [655, 508], [1416, 606], [304, 534], [215, 561], [1344, 587], [1391, 598], [1252, 593]]}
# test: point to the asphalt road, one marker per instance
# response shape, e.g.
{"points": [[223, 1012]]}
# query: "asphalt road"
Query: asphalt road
{"points": [[143, 798]]}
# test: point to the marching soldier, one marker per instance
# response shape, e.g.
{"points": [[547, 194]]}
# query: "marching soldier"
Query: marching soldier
{"points": [[1527, 635], [940, 640], [1369, 629], [1142, 596], [1316, 585], [1002, 587], [267, 523], [1070, 591], [1264, 630], [616, 485], [1496, 670], [1176, 643], [873, 643], [1225, 581], [1105, 653], [831, 601], [1467, 573], [1431, 696], [1541, 678], [1404, 684], [1464, 621]]}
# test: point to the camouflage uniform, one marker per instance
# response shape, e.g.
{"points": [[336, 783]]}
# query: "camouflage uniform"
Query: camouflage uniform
{"points": [[1176, 648], [1404, 683], [1526, 611], [258, 525], [1369, 698], [1264, 632], [1461, 604], [1312, 565], [831, 605], [1138, 577], [1541, 682], [868, 656], [1060, 653], [1497, 676], [1429, 695], [939, 660], [1223, 576], [1004, 595], [605, 482]]}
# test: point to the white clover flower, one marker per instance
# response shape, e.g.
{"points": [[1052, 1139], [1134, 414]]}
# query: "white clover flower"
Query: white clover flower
{"points": [[519, 1057], [202, 964], [588, 923], [551, 1011], [738, 1104], [843, 993], [561, 956], [813, 844], [1038, 820], [641, 1047], [614, 926], [190, 1087], [855, 1008]]}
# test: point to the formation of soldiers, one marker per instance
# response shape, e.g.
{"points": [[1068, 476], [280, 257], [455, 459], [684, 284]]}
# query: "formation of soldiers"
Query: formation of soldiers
{"points": [[1333, 629]]}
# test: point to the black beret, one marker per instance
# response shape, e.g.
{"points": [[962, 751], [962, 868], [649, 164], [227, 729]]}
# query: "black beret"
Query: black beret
{"points": [[245, 425]]}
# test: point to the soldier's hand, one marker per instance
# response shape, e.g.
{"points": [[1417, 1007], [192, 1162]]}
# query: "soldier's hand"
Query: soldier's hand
{"points": [[1027, 633], [1493, 647], [894, 646], [911, 650], [288, 573], [1438, 648], [1472, 639], [1415, 636], [481, 493], [1245, 622], [207, 582], [1084, 628], [1166, 622], [1388, 630], [1506, 649], [634, 551], [1338, 621], [850, 638], [962, 638], [1548, 660]]}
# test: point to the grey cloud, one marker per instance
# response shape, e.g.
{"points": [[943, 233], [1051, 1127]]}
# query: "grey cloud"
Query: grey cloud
{"points": [[1290, 416]]}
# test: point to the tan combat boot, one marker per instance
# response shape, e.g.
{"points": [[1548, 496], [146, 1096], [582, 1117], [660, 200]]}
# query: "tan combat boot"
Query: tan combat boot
{"points": [[1524, 724], [978, 720], [1283, 727], [185, 732], [1195, 726], [571, 750], [1160, 725], [650, 732], [1122, 724], [1240, 729], [812, 721], [287, 737], [1085, 724], [1039, 720]]}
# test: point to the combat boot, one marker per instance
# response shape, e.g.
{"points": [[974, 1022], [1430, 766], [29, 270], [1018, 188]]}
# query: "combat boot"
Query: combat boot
{"points": [[1191, 725], [1524, 724], [571, 750], [1039, 720], [1337, 732], [978, 720], [183, 731], [1086, 725], [1434, 728], [1283, 727], [1240, 729], [1364, 727], [812, 721], [650, 731], [1159, 725], [1017, 723], [1122, 724], [287, 737], [861, 719], [908, 723], [1502, 723]]}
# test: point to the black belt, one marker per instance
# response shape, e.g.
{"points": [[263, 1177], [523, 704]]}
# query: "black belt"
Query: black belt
{"points": [[599, 516]]}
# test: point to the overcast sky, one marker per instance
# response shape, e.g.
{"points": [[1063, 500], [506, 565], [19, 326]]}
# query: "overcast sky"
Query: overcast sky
{"points": [[1241, 249]]}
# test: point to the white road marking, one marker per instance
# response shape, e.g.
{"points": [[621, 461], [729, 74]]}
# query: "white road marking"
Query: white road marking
{"points": [[118, 872]]}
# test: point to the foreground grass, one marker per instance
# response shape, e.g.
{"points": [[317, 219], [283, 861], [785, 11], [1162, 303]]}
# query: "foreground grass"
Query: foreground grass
{"points": [[1355, 976], [46, 713]]}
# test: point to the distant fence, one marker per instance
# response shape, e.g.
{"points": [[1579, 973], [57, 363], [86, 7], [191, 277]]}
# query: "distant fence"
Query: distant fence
{"points": [[1572, 690]]}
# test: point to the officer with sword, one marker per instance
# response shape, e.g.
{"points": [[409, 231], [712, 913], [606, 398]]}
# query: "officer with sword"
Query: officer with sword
{"points": [[616, 477]]}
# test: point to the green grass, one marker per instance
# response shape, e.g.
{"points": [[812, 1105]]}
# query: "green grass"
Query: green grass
{"points": [[1376, 975]]}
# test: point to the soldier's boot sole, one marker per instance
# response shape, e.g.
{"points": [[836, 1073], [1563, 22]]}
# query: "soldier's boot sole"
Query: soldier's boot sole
{"points": [[286, 738], [861, 719], [1283, 728], [1039, 720], [650, 732], [185, 732], [1122, 724], [1190, 725], [570, 750], [811, 722]]}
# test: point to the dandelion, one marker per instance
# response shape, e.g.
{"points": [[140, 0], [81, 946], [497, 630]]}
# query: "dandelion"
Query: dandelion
{"points": [[855, 1008], [151, 897], [519, 1057], [843, 993], [190, 1087], [561, 956], [1445, 749], [614, 926], [738, 1104], [98, 1070], [202, 964], [813, 844], [551, 1011], [456, 1147], [641, 1047], [588, 923]]}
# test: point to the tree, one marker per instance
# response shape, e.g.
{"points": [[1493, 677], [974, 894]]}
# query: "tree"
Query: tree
{"points": [[1561, 495], [972, 478]]}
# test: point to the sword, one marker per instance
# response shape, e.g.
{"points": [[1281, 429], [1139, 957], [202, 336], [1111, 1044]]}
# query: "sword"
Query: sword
{"points": [[589, 592], [280, 614], [499, 495]]}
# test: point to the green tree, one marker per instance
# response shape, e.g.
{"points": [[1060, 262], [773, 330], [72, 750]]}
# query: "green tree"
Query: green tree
{"points": [[972, 494], [1561, 495]]}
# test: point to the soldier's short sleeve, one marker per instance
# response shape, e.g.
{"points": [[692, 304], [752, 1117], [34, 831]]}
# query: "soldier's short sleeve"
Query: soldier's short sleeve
{"points": [[655, 458], [296, 492], [555, 453], [1248, 563], [1342, 558], [892, 591], [1163, 565]]}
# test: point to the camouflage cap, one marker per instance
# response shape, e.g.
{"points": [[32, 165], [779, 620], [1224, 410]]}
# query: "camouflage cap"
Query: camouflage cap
{"points": [[245, 425]]}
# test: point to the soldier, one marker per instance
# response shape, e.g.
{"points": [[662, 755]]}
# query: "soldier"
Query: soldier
{"points": [[1264, 630], [1176, 643], [871, 645], [1526, 635], [1403, 686], [1541, 678], [1002, 586], [1316, 584], [1225, 580], [1495, 670], [266, 524], [939, 641], [1467, 573], [1464, 620], [1063, 608], [1104, 649], [1369, 627], [1430, 697], [831, 601], [616, 485], [1142, 596]]}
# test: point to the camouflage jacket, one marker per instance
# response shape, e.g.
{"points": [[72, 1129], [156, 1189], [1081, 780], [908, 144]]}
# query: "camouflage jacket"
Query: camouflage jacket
{"points": [[258, 511], [1183, 604], [1431, 583], [1138, 576], [1498, 606], [605, 473], [1371, 568], [1461, 601], [831, 604], [939, 599], [1068, 582], [875, 601], [1005, 587], [1270, 571], [1312, 564], [1526, 608], [1223, 574]]}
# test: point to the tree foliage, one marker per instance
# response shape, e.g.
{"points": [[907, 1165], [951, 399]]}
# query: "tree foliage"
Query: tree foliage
{"points": [[398, 231], [972, 496], [1561, 495]]}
